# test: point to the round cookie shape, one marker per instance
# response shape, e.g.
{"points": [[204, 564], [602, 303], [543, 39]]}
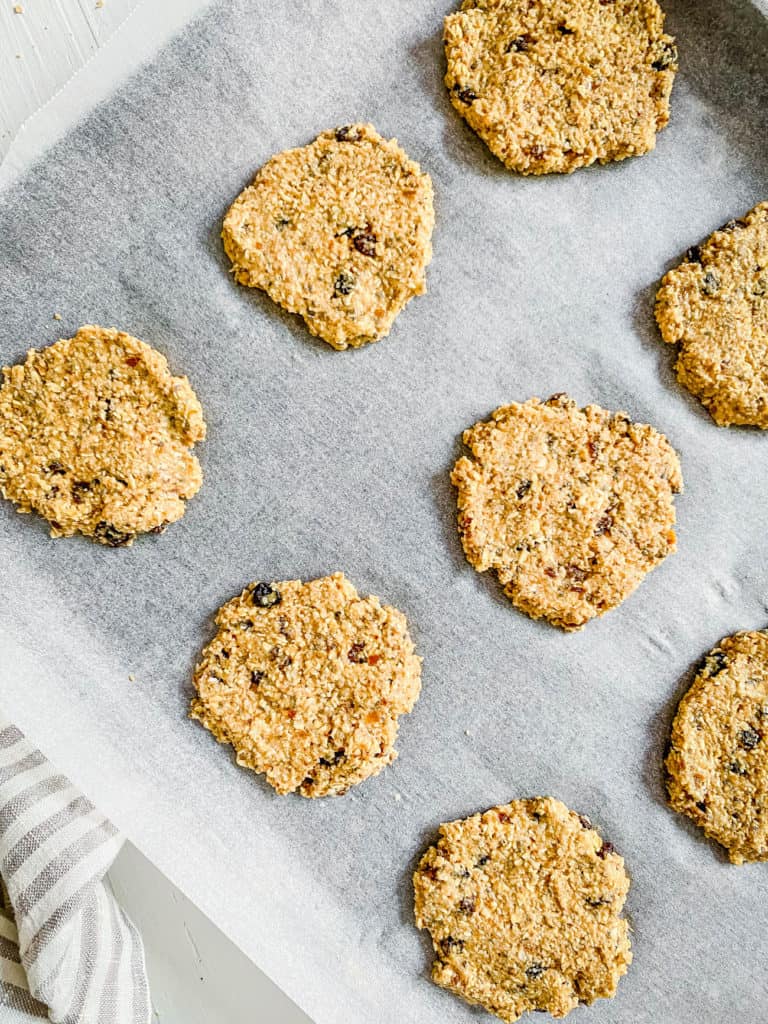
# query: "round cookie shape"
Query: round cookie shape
{"points": [[523, 905], [552, 86], [338, 231], [307, 681], [718, 758], [96, 437], [715, 306], [571, 507]]}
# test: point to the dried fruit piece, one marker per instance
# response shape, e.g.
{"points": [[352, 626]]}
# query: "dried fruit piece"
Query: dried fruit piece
{"points": [[111, 536], [337, 758], [465, 95], [666, 56], [349, 133], [264, 595], [716, 662], [79, 489], [710, 283], [520, 44], [365, 242], [603, 524], [356, 653], [344, 284], [748, 738]]}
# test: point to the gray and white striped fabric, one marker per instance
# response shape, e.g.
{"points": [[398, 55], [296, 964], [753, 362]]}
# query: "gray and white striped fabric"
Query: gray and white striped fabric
{"points": [[67, 950]]}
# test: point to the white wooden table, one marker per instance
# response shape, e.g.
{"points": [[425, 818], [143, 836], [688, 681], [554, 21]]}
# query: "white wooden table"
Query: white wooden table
{"points": [[197, 975], [42, 44]]}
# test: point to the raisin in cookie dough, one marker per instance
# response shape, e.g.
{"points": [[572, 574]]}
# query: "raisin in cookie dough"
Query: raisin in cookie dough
{"points": [[715, 306], [307, 682], [571, 507], [96, 437], [718, 758], [338, 231], [552, 86], [523, 905]]}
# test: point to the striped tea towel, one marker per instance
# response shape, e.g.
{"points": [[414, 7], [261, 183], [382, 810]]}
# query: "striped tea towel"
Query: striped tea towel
{"points": [[67, 950]]}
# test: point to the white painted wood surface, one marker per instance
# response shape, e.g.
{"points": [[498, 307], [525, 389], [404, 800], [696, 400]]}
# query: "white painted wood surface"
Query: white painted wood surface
{"points": [[43, 43], [197, 975]]}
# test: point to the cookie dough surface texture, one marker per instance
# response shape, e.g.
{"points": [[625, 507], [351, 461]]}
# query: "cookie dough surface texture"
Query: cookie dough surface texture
{"points": [[338, 231], [718, 759], [96, 437], [307, 682], [523, 905], [571, 507], [552, 86], [715, 305]]}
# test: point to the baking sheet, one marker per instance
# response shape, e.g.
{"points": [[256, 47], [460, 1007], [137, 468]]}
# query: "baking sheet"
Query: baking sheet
{"points": [[318, 460]]}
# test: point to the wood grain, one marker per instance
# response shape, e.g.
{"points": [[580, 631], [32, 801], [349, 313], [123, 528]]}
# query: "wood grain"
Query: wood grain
{"points": [[42, 47]]}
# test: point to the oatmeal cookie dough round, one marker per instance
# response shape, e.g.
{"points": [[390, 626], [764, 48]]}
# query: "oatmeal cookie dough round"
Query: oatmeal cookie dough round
{"points": [[718, 759], [552, 86], [523, 905], [307, 681], [338, 231], [715, 305], [571, 507], [96, 437]]}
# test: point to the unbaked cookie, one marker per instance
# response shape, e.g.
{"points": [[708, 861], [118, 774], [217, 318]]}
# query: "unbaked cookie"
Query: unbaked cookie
{"points": [[715, 305], [718, 757], [571, 507], [307, 681], [523, 905], [338, 231], [552, 86], [96, 437]]}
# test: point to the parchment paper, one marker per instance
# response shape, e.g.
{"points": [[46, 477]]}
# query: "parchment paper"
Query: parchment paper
{"points": [[318, 460]]}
